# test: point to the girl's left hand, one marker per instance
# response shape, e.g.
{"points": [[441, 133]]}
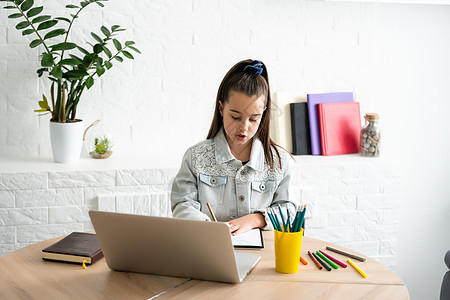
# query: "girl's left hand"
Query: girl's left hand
{"points": [[246, 223]]}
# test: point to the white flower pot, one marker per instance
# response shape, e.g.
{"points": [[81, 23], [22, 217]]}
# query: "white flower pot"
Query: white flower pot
{"points": [[66, 140]]}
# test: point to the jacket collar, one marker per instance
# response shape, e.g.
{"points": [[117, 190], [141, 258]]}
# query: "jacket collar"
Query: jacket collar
{"points": [[223, 152]]}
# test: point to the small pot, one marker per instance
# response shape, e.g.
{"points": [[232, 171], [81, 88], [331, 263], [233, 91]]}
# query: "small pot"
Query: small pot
{"points": [[66, 140]]}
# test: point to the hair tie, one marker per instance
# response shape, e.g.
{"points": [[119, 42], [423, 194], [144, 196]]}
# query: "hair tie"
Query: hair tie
{"points": [[254, 68]]}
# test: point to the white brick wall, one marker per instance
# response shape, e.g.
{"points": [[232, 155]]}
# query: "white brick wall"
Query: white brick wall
{"points": [[344, 207], [187, 47]]}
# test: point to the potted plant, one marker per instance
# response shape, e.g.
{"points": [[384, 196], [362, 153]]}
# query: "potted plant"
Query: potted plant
{"points": [[70, 67]]}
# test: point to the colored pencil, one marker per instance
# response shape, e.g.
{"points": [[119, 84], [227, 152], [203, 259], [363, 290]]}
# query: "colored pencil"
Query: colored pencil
{"points": [[211, 211], [324, 264], [303, 261], [326, 259], [334, 259], [346, 254], [282, 218], [363, 274], [318, 265]]}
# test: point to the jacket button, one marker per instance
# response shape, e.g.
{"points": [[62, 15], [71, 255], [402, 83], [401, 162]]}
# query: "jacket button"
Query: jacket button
{"points": [[213, 180], [241, 198], [262, 187]]}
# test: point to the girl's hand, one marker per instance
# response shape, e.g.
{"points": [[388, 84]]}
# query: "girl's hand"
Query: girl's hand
{"points": [[246, 223]]}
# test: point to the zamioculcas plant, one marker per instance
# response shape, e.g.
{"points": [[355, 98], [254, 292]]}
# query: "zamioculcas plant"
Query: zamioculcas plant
{"points": [[70, 67]]}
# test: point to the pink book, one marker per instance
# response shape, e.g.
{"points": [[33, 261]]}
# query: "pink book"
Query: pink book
{"points": [[340, 127]]}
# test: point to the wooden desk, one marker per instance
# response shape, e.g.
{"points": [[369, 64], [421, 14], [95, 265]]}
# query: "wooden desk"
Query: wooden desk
{"points": [[24, 275]]}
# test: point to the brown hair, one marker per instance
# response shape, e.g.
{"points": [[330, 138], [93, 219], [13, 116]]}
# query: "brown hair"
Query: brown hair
{"points": [[251, 84]]}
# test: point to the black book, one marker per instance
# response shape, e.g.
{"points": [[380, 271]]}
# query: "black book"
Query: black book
{"points": [[301, 138]]}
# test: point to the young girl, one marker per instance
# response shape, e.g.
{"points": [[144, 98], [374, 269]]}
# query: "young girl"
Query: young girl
{"points": [[238, 169]]}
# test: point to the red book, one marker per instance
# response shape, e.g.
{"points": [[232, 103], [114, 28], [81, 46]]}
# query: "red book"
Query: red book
{"points": [[340, 126]]}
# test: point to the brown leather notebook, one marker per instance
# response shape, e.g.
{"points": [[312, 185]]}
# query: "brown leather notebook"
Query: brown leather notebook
{"points": [[76, 248]]}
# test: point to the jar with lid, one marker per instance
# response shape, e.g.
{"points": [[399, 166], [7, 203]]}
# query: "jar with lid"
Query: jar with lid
{"points": [[370, 136]]}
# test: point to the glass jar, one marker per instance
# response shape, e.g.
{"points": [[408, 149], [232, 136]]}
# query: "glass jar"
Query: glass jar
{"points": [[370, 136]]}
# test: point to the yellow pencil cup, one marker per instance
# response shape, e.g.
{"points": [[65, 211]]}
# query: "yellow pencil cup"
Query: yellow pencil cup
{"points": [[287, 251]]}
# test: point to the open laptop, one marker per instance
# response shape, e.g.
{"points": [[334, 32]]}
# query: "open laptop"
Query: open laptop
{"points": [[170, 247]]}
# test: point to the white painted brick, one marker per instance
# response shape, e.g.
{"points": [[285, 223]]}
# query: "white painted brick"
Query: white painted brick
{"points": [[374, 233], [369, 217], [163, 6], [3, 35], [391, 216], [369, 248], [319, 220], [23, 181], [342, 218], [141, 204], [377, 201], [7, 234], [37, 233], [106, 203], [321, 185], [332, 234], [124, 203], [13, 53], [160, 205], [336, 202], [35, 198], [25, 86], [91, 193], [23, 216], [345, 187], [275, 7], [388, 261], [69, 197], [7, 199], [28, 150], [391, 186], [144, 176], [388, 247], [23, 69], [81, 179], [68, 214], [6, 248]]}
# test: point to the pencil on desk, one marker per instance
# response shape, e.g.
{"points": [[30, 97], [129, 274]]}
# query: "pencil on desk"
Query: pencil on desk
{"points": [[211, 211], [324, 264], [363, 274], [346, 254], [334, 259], [326, 259], [318, 265], [303, 261]]}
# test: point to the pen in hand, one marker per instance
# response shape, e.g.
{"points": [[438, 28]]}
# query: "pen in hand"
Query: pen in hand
{"points": [[211, 211]]}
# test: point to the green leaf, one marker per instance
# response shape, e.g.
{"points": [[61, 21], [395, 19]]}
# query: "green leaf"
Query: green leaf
{"points": [[23, 25], [18, 2], [89, 82], [129, 43], [79, 60], [114, 27], [63, 46], [47, 24], [57, 72], [15, 16], [84, 51], [100, 4], [35, 43], [117, 44], [105, 31], [107, 52], [72, 6], [70, 62], [97, 38], [73, 16], [54, 33], [134, 49], [127, 54], [119, 58], [108, 65], [41, 71], [62, 19], [41, 19], [34, 11], [47, 60], [9, 7], [100, 70], [76, 74], [98, 48], [27, 31], [27, 5], [43, 105], [84, 3]]}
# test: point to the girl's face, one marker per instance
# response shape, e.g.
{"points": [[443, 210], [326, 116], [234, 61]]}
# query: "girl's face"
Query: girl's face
{"points": [[241, 117]]}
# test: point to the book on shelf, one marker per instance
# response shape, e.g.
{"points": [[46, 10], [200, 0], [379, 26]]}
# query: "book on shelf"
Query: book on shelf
{"points": [[75, 248], [301, 139], [340, 127], [313, 101]]}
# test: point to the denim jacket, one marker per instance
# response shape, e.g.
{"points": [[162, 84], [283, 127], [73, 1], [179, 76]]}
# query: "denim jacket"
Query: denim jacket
{"points": [[210, 173]]}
